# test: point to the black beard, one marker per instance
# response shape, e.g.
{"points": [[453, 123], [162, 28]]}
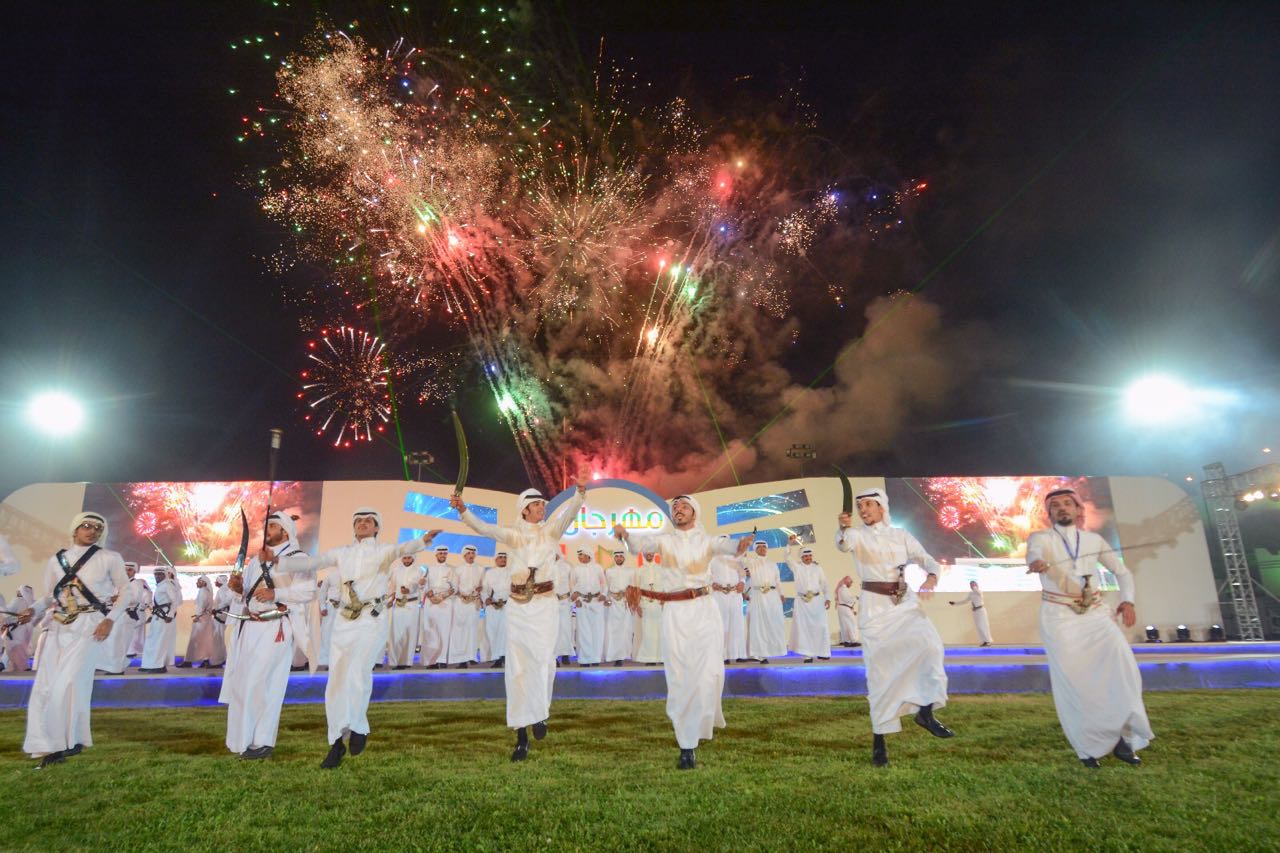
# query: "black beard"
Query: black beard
{"points": [[1066, 522]]}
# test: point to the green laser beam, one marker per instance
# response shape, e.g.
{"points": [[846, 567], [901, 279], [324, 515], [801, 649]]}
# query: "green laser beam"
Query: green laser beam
{"points": [[714, 420]]}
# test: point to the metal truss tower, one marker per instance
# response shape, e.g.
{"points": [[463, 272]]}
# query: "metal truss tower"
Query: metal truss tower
{"points": [[1220, 495]]}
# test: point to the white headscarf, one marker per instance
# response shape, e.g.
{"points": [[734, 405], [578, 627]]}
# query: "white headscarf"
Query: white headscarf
{"points": [[692, 501], [90, 516], [879, 497], [369, 511], [471, 548], [286, 521], [221, 580], [804, 551], [527, 497]]}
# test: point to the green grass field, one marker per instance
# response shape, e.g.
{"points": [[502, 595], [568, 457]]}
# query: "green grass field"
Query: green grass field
{"points": [[786, 774]]}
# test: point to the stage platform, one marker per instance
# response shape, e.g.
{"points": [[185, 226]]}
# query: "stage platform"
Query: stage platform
{"points": [[997, 669]]}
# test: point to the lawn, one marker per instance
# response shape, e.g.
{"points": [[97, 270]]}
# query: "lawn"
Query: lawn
{"points": [[787, 774]]}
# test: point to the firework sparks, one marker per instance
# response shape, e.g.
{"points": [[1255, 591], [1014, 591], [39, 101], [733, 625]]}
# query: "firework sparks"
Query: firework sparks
{"points": [[346, 385]]}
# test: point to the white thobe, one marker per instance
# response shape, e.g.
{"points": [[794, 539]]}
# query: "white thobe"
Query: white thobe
{"points": [[529, 673], [200, 642], [980, 621], [58, 709], [405, 613], [223, 598], [496, 590], [137, 628], [1097, 688], [437, 617], [564, 634], [726, 575], [464, 633], [18, 642], [356, 645], [901, 649], [648, 625], [809, 635], [847, 614], [257, 673], [619, 622], [692, 633], [766, 630], [116, 652], [9, 564], [329, 599], [586, 581], [160, 646]]}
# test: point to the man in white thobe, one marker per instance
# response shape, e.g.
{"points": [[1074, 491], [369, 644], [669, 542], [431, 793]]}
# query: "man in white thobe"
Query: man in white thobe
{"points": [[405, 613], [979, 607], [901, 649], [496, 590], [563, 574], [766, 629], [437, 611], [727, 584], [200, 641], [136, 621], [18, 634], [262, 641], [159, 648], [619, 621], [692, 633], [587, 589], [223, 598], [9, 564], [330, 602], [78, 581], [360, 636], [648, 622], [847, 613], [1097, 688], [532, 613], [116, 649], [464, 634], [809, 635]]}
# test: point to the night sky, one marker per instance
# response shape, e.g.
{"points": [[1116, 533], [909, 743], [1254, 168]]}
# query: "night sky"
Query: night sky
{"points": [[1105, 201]]}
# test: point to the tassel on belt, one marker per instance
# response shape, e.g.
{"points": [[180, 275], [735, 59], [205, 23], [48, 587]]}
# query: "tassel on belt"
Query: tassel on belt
{"points": [[1077, 604]]}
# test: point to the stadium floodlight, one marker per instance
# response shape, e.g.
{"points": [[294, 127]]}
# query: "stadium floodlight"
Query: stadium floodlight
{"points": [[1158, 399], [55, 413]]}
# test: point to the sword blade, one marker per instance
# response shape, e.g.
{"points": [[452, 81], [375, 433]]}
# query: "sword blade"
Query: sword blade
{"points": [[464, 458], [846, 492], [244, 541]]}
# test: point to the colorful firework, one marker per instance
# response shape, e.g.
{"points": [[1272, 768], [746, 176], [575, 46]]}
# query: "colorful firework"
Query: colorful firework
{"points": [[346, 385]]}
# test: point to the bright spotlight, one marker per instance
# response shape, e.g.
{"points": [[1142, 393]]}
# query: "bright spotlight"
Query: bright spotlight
{"points": [[1158, 399], [55, 413]]}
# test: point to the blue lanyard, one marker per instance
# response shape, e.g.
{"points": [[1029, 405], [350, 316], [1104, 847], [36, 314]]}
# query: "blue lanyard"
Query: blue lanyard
{"points": [[1074, 556]]}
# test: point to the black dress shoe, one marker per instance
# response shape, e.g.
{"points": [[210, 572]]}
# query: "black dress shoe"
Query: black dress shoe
{"points": [[540, 730], [496, 664], [51, 759], [256, 753], [808, 660], [1126, 754], [401, 666], [464, 665], [358, 741], [334, 758], [879, 753], [1091, 763], [521, 752], [301, 667], [617, 663], [156, 671], [688, 761], [926, 721], [79, 748], [186, 664]]}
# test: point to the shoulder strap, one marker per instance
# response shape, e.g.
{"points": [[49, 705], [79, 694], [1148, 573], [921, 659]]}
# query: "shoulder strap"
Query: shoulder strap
{"points": [[69, 576]]}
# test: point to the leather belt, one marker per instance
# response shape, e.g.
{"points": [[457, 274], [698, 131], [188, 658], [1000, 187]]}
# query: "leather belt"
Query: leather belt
{"points": [[682, 595], [524, 592], [67, 615], [763, 588], [850, 606], [406, 600], [979, 607], [498, 604], [1079, 605], [588, 597], [809, 596], [726, 588], [618, 596], [558, 595]]}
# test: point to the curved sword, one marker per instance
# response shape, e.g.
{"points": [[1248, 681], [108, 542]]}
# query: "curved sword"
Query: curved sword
{"points": [[244, 543], [464, 459], [846, 491]]}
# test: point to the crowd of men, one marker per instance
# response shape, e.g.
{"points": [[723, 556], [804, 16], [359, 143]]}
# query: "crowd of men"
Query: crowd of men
{"points": [[680, 603]]}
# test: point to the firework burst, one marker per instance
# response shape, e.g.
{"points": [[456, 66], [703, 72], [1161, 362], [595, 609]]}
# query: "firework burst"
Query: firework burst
{"points": [[346, 385]]}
